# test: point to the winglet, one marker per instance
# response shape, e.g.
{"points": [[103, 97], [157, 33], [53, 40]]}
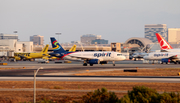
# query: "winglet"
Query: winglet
{"points": [[162, 42]]}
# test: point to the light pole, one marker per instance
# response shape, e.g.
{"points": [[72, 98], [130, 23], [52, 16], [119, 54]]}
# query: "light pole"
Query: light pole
{"points": [[35, 73], [58, 35]]}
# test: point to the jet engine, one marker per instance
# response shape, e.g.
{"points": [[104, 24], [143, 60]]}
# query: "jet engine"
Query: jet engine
{"points": [[165, 60], [103, 62], [93, 61], [54, 54]]}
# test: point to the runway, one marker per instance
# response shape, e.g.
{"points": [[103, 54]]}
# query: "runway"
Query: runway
{"points": [[75, 67], [95, 78], [64, 72]]}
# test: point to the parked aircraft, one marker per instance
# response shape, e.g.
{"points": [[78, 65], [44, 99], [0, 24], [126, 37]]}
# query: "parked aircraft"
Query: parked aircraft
{"points": [[73, 49], [167, 54], [164, 57], [137, 56], [28, 56], [95, 57]]}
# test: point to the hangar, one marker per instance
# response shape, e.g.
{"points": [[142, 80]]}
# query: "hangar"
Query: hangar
{"points": [[137, 44]]}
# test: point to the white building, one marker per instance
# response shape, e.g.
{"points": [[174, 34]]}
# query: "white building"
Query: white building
{"points": [[174, 35], [8, 36], [24, 46], [10, 43], [16, 46]]}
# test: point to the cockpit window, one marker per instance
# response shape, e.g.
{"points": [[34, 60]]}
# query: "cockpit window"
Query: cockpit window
{"points": [[119, 54]]}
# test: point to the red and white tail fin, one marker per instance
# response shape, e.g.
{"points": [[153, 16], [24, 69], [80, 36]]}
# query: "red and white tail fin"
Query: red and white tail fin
{"points": [[162, 42]]}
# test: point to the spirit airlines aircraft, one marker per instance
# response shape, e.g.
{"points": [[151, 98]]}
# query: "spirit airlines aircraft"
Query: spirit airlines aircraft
{"points": [[91, 58], [73, 49], [167, 54], [28, 56]]}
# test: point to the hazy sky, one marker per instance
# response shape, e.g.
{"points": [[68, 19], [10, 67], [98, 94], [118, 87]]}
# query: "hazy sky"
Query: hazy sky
{"points": [[115, 20]]}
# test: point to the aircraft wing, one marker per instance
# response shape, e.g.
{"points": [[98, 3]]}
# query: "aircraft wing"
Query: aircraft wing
{"points": [[24, 57], [173, 57], [82, 58]]}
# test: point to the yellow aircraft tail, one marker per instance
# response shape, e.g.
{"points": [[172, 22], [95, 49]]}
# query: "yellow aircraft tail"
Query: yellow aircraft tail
{"points": [[73, 49], [45, 49]]}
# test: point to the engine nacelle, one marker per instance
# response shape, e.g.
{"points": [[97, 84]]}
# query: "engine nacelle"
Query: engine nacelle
{"points": [[103, 62], [166, 60], [93, 61], [17, 58]]}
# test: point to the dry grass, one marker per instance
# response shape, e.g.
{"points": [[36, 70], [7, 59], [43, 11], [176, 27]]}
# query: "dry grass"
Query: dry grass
{"points": [[27, 96], [89, 85], [22, 96], [13, 68], [140, 72]]}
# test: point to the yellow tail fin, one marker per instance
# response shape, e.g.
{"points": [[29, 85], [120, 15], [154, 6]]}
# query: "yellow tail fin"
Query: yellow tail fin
{"points": [[73, 49], [45, 49]]}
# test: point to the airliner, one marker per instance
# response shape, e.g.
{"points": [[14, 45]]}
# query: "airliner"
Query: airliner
{"points": [[137, 56], [28, 56], [167, 54], [95, 57], [164, 57]]}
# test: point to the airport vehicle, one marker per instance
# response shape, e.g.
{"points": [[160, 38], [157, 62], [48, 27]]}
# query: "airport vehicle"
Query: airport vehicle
{"points": [[165, 46], [28, 56], [42, 61], [95, 57]]}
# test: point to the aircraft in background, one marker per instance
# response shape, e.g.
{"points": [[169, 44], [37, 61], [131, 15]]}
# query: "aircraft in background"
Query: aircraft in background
{"points": [[164, 57], [162, 42], [28, 56], [137, 56], [165, 46], [95, 57], [73, 49], [167, 54]]}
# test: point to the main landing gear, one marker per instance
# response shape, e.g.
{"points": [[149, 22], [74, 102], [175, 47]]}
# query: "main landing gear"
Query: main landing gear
{"points": [[91, 64], [113, 63], [85, 64]]}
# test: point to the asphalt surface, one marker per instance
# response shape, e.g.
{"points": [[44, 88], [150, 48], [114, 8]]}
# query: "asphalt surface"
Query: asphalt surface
{"points": [[65, 71], [96, 79], [72, 68]]}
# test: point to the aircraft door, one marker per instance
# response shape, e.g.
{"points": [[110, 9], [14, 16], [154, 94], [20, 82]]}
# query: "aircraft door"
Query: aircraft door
{"points": [[112, 55]]}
